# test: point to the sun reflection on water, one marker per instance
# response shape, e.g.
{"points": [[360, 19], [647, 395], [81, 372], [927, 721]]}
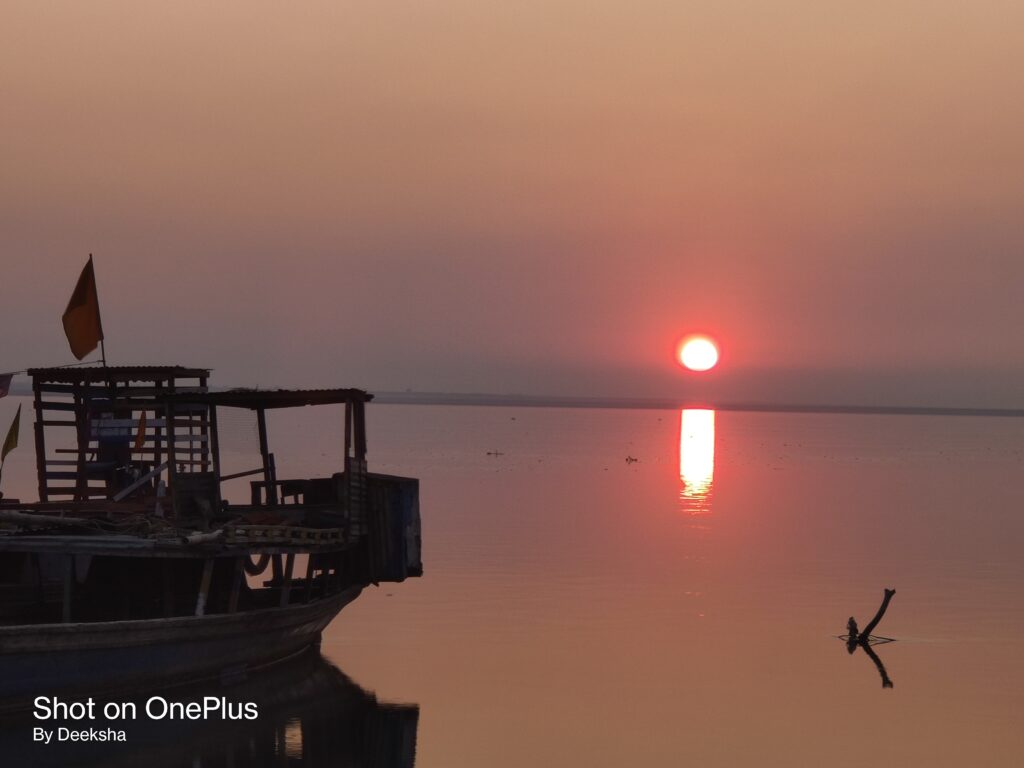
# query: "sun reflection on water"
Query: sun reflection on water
{"points": [[696, 459]]}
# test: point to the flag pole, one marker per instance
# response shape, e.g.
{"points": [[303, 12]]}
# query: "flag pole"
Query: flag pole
{"points": [[103, 346]]}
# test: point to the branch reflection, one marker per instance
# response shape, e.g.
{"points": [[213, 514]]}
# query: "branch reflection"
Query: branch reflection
{"points": [[853, 642]]}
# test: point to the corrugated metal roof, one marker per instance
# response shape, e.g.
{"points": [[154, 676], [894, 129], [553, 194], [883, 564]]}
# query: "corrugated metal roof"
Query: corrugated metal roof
{"points": [[74, 375]]}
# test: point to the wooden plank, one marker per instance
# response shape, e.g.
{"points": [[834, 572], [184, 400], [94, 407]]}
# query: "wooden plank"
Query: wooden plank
{"points": [[268, 458], [140, 482], [70, 389], [167, 581], [143, 452], [187, 462], [40, 442], [177, 438], [190, 438], [157, 392], [130, 404], [88, 465], [120, 392], [158, 438], [52, 406], [236, 585], [359, 426], [204, 587], [83, 441], [69, 582], [98, 493], [236, 475], [187, 439], [77, 476], [172, 467], [132, 424], [100, 545], [310, 571], [348, 430], [289, 566], [214, 440]]}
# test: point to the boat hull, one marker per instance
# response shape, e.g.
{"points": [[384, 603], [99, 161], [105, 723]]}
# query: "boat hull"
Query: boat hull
{"points": [[99, 657]]}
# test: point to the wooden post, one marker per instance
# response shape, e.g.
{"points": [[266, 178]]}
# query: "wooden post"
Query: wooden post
{"points": [[158, 432], [348, 432], [268, 469], [272, 488], [82, 427], [204, 431], [204, 587], [69, 581], [360, 430], [214, 440], [40, 441], [331, 576], [167, 577], [172, 467], [286, 587], [37, 566], [236, 585], [309, 576]]}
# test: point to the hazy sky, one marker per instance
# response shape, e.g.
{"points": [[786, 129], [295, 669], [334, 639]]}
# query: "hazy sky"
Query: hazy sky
{"points": [[534, 197]]}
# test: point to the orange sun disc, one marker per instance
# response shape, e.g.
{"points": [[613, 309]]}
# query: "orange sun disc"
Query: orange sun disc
{"points": [[698, 353]]}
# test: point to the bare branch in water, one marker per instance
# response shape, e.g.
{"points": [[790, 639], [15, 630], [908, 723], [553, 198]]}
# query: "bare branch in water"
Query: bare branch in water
{"points": [[866, 634]]}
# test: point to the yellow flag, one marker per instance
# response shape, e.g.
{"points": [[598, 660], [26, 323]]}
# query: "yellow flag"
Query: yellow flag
{"points": [[82, 317], [12, 436]]}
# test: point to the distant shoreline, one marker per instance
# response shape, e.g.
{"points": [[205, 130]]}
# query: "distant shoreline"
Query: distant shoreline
{"points": [[632, 403], [652, 403]]}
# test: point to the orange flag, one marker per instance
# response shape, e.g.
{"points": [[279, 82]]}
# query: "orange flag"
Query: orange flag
{"points": [[82, 317], [140, 436], [12, 436]]}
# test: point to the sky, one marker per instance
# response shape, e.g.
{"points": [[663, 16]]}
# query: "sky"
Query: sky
{"points": [[531, 197]]}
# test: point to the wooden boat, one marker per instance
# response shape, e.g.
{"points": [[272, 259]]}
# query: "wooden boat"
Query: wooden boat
{"points": [[133, 570]]}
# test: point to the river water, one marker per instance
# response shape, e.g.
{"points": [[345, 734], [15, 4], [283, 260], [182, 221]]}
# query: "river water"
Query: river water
{"points": [[582, 608]]}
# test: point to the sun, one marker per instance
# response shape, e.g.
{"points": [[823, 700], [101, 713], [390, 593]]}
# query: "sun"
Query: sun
{"points": [[698, 353]]}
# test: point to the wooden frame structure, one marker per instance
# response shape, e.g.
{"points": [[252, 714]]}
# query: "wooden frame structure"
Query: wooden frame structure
{"points": [[120, 437], [88, 422]]}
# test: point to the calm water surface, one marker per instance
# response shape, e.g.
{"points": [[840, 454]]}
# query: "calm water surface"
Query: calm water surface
{"points": [[581, 609]]}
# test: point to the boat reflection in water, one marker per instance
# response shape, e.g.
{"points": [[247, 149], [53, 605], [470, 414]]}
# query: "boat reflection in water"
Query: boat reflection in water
{"points": [[696, 459], [310, 715]]}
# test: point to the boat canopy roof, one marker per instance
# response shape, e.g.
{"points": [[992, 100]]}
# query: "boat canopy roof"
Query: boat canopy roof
{"points": [[99, 373], [258, 399], [170, 390]]}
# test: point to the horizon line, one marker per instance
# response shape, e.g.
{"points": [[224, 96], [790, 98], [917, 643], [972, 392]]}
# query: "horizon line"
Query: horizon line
{"points": [[411, 397], [662, 403]]}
